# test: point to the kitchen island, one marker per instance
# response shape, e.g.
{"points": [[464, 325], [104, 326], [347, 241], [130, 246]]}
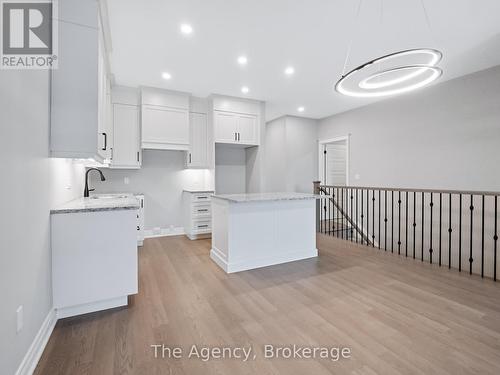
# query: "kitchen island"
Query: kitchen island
{"points": [[262, 229]]}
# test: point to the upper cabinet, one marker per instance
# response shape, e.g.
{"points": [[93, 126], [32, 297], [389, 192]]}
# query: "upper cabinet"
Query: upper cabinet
{"points": [[126, 146], [80, 126], [198, 155], [236, 121], [164, 119]]}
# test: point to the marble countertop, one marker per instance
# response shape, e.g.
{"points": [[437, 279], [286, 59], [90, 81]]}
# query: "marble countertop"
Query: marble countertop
{"points": [[262, 197], [99, 202]]}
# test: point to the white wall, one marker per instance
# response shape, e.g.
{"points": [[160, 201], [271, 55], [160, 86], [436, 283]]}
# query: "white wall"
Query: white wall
{"points": [[31, 184], [291, 158], [446, 136], [161, 179], [230, 169]]}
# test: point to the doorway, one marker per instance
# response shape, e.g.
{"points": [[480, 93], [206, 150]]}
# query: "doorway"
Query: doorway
{"points": [[334, 161]]}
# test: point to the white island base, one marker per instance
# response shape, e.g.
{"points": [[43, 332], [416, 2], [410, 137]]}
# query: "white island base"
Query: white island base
{"points": [[258, 230]]}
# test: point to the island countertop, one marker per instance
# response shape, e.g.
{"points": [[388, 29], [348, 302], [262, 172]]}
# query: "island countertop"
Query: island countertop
{"points": [[264, 197], [99, 202]]}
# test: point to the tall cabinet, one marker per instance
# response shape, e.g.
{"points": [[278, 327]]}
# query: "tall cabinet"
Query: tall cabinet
{"points": [[80, 126]]}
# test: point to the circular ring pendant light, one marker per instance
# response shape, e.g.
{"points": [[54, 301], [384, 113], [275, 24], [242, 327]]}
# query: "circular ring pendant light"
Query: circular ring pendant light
{"points": [[392, 74], [368, 81]]}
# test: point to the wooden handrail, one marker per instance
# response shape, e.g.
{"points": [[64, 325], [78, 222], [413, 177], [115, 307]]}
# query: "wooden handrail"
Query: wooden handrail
{"points": [[463, 192]]}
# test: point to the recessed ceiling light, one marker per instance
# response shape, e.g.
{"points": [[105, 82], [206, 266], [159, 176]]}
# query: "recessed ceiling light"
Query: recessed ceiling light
{"points": [[166, 75], [289, 70], [242, 60], [301, 109], [245, 90], [186, 28]]}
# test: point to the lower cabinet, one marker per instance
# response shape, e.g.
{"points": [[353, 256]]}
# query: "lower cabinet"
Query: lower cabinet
{"points": [[140, 220], [126, 152], [94, 260], [197, 207]]}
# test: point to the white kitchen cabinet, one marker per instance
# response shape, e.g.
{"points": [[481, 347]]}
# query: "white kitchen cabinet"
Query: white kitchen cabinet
{"points": [[94, 260], [126, 137], [236, 128], [197, 207], [197, 157], [164, 119], [79, 124], [140, 220]]}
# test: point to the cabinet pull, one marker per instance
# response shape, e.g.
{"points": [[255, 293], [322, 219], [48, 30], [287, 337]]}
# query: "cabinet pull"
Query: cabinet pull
{"points": [[238, 136], [142, 203], [138, 228], [105, 141], [138, 156], [235, 137], [189, 158], [203, 226], [202, 197], [203, 210]]}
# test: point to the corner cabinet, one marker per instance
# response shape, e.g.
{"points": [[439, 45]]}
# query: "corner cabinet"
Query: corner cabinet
{"points": [[164, 119], [79, 89]]}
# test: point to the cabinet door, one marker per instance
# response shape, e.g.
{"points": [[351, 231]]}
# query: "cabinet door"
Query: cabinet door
{"points": [[247, 129], [226, 127], [126, 145], [104, 136], [198, 145], [165, 128]]}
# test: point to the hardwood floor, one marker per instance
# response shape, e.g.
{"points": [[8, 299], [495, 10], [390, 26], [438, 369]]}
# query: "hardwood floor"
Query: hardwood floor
{"points": [[397, 315]]}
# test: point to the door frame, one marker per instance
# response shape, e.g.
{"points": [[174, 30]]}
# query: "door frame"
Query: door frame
{"points": [[321, 143]]}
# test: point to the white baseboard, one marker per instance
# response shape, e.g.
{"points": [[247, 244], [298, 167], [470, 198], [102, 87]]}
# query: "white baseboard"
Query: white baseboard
{"points": [[35, 351], [66, 312], [164, 232], [249, 264]]}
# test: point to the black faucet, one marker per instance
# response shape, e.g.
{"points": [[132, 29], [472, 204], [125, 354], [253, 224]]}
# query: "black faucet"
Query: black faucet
{"points": [[87, 190]]}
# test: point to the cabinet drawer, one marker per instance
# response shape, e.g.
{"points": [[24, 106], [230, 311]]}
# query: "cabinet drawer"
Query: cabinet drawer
{"points": [[201, 197], [202, 226], [201, 210]]}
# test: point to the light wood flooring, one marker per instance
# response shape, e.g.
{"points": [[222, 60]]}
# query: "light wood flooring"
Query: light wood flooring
{"points": [[397, 315]]}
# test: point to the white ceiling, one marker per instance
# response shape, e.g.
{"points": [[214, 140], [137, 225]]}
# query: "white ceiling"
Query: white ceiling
{"points": [[311, 35]]}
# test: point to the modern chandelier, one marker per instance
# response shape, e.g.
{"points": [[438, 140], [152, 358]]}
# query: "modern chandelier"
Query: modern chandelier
{"points": [[392, 74]]}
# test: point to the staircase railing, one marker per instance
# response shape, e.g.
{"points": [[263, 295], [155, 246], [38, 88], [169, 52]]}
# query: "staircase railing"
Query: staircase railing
{"points": [[453, 228]]}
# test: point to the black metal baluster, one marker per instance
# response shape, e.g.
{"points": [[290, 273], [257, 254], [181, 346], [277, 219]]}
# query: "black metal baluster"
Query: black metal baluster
{"points": [[330, 209], [423, 206], [414, 220], [336, 212], [406, 224], [373, 218], [379, 219], [471, 229], [342, 212], [450, 230], [362, 220], [460, 234], [367, 217], [440, 223], [357, 215], [495, 239], [352, 218], [392, 221], [385, 221], [399, 222], [430, 236], [482, 236]]}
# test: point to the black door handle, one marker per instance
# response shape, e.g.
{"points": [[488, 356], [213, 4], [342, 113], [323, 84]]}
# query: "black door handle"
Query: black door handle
{"points": [[105, 141]]}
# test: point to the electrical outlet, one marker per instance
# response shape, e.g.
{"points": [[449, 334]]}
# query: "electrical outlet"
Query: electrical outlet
{"points": [[20, 319], [126, 180]]}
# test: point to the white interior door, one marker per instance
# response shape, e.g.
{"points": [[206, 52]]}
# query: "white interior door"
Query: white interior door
{"points": [[335, 163]]}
